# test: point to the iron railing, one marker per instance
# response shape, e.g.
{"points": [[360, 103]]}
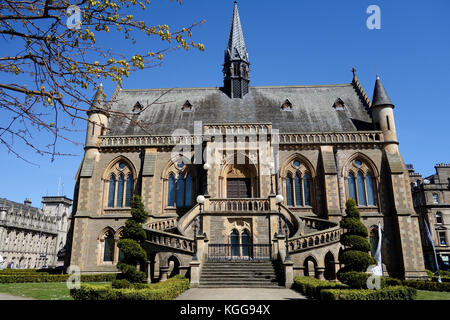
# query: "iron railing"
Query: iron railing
{"points": [[231, 252]]}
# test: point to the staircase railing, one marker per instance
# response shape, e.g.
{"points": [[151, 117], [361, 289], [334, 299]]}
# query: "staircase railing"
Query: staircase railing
{"points": [[171, 240], [315, 239], [162, 224]]}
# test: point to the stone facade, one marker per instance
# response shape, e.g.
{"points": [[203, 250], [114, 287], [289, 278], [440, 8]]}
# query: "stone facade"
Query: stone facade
{"points": [[316, 146], [31, 237], [431, 198]]}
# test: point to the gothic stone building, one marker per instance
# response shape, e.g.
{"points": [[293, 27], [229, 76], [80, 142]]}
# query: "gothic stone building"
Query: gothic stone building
{"points": [[431, 198], [316, 145], [31, 237]]}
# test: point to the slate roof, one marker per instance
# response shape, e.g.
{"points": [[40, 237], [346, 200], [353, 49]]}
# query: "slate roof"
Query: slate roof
{"points": [[380, 96], [236, 48], [312, 109]]}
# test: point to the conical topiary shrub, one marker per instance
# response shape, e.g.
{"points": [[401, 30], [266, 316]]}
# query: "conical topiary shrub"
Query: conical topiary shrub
{"points": [[355, 256], [130, 244]]}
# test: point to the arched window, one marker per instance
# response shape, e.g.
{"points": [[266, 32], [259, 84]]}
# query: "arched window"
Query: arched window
{"points": [[360, 187], [289, 197], [298, 190], [108, 247], [112, 190], [361, 184], [307, 188], [351, 186], [370, 190], [171, 192], [120, 186], [180, 190], [188, 191], [298, 185], [129, 191]]}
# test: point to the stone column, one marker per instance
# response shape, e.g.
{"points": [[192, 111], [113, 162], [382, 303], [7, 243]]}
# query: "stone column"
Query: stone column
{"points": [[195, 273], [288, 274], [164, 273], [320, 273]]}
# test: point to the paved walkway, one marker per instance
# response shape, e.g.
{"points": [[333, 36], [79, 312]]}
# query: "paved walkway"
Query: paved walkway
{"points": [[6, 296], [240, 294]]}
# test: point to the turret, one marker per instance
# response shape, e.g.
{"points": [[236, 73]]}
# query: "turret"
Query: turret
{"points": [[97, 119], [383, 116]]}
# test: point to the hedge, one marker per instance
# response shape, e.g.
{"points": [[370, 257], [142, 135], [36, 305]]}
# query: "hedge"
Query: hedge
{"points": [[311, 287], [427, 285], [358, 280], [31, 277], [388, 293], [167, 290]]}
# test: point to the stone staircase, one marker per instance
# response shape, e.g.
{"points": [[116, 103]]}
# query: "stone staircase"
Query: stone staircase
{"points": [[240, 274]]}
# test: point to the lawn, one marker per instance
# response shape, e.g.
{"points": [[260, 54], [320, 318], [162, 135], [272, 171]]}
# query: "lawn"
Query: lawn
{"points": [[42, 291], [432, 295]]}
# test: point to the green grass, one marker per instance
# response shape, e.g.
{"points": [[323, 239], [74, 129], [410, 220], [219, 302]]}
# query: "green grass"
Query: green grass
{"points": [[432, 295], [41, 291]]}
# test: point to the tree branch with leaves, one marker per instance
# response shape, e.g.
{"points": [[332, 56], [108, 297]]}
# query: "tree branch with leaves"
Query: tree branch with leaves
{"points": [[50, 64]]}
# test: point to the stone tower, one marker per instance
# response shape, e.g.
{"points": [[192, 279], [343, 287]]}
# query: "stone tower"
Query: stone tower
{"points": [[236, 65]]}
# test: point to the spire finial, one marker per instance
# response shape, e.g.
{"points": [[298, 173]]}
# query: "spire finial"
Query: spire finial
{"points": [[378, 77]]}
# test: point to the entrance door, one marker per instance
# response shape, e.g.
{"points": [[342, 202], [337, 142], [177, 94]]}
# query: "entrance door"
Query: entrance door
{"points": [[239, 188]]}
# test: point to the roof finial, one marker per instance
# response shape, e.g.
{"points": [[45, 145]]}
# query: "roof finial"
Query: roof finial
{"points": [[378, 77]]}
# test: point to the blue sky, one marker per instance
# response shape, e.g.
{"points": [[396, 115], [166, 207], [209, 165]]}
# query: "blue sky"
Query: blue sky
{"points": [[290, 43]]}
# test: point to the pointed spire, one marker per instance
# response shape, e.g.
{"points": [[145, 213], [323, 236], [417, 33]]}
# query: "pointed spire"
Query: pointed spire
{"points": [[98, 103], [236, 44], [380, 96]]}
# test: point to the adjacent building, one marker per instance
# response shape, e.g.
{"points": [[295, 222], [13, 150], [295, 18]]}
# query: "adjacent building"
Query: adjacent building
{"points": [[31, 237], [239, 146], [431, 197]]}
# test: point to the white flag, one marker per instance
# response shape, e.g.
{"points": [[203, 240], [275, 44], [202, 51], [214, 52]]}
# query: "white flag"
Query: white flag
{"points": [[378, 270], [434, 249]]}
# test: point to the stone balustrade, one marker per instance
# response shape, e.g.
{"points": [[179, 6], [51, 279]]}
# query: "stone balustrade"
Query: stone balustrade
{"points": [[332, 137], [239, 205], [163, 224], [171, 240], [243, 129], [315, 239], [150, 140]]}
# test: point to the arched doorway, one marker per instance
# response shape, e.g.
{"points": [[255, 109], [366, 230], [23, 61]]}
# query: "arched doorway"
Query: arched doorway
{"points": [[174, 266], [246, 244], [239, 180], [330, 267], [310, 265], [234, 242]]}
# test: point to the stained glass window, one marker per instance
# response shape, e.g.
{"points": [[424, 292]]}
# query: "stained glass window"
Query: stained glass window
{"points": [[129, 190], [298, 190], [112, 190], [188, 191], [370, 190], [289, 191], [360, 185], [307, 187], [120, 188], [351, 187], [171, 191]]}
